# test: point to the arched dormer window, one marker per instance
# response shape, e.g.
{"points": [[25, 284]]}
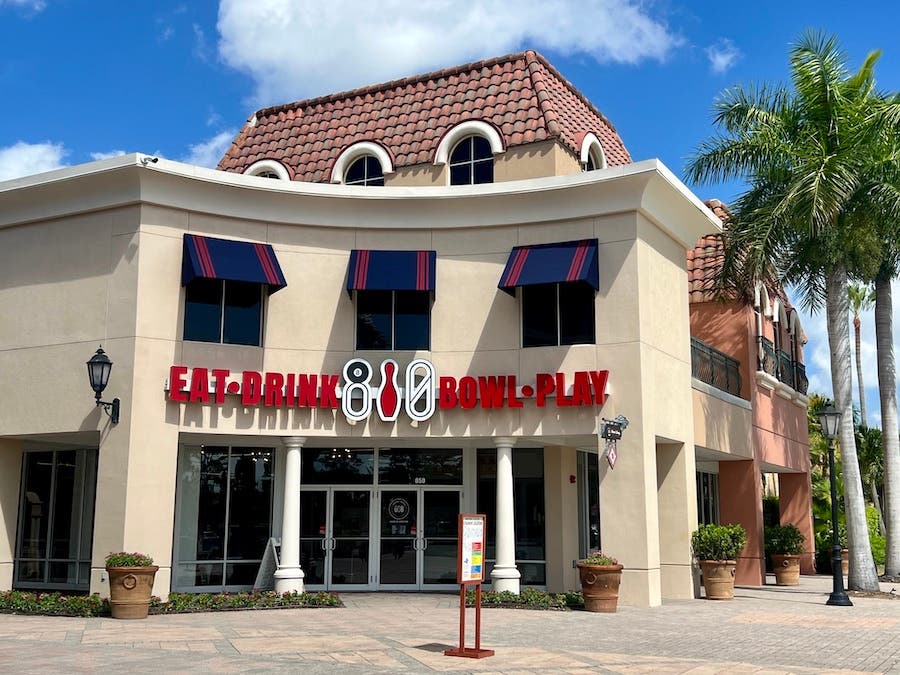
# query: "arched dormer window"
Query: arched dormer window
{"points": [[468, 149], [592, 156], [363, 163], [268, 168]]}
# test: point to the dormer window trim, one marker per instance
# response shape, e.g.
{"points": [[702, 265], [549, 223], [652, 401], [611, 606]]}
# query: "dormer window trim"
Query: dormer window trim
{"points": [[461, 131], [354, 152], [592, 155], [268, 168]]}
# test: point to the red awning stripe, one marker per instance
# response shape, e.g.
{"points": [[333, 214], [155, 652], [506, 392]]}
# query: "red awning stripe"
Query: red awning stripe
{"points": [[578, 262], [206, 263]]}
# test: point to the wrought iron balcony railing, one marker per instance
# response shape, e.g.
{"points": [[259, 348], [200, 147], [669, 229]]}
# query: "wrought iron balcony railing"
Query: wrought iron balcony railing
{"points": [[801, 383], [785, 369], [768, 362], [779, 365], [715, 368]]}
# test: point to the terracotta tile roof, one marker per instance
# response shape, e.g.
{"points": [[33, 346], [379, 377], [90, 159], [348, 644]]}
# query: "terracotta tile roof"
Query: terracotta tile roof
{"points": [[705, 261], [522, 95]]}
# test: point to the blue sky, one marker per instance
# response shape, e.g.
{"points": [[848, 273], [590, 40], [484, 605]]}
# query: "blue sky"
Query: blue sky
{"points": [[83, 79]]}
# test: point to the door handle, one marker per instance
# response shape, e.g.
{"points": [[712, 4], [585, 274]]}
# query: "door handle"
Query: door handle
{"points": [[425, 544], [331, 543], [324, 545]]}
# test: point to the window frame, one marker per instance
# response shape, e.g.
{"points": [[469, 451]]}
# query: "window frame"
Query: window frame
{"points": [[470, 163], [366, 181], [521, 297], [267, 168], [221, 341], [392, 347]]}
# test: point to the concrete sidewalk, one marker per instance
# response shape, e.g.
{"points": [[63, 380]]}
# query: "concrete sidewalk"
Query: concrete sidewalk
{"points": [[764, 630]]}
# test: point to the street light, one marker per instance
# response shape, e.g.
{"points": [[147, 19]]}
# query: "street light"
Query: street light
{"points": [[99, 369], [830, 420]]}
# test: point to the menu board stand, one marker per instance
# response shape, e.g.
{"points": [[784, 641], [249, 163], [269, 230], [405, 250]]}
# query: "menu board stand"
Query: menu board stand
{"points": [[470, 572]]}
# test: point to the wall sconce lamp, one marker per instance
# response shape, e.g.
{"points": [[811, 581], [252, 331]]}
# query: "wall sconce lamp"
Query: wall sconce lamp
{"points": [[99, 369]]}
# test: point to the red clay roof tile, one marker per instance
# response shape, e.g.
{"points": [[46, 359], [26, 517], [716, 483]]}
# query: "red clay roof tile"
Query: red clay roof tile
{"points": [[521, 94]]}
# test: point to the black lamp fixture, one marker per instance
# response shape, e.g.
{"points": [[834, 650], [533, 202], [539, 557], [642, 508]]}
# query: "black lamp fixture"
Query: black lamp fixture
{"points": [[830, 421], [99, 369]]}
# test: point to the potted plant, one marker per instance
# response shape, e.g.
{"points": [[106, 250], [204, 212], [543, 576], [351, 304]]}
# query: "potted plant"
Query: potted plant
{"points": [[784, 543], [600, 577], [717, 548], [130, 584]]}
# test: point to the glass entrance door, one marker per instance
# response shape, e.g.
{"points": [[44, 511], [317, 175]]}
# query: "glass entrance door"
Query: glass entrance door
{"points": [[335, 525], [418, 528]]}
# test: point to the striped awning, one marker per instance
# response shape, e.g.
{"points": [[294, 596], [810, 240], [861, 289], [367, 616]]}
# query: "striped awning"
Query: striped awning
{"points": [[391, 270], [211, 258], [550, 264]]}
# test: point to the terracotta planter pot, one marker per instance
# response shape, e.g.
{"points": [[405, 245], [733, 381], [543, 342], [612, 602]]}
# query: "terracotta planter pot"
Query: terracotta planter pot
{"points": [[787, 569], [600, 586], [845, 562], [130, 589], [718, 579]]}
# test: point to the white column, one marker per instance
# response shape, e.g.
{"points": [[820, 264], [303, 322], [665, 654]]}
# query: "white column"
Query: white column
{"points": [[289, 576], [505, 576]]}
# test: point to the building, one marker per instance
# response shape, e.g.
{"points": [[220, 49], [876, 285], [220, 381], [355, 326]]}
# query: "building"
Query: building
{"points": [[347, 367]]}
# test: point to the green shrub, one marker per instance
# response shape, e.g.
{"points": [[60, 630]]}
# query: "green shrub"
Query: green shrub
{"points": [[205, 602], [718, 542], [123, 559], [598, 558], [528, 598], [878, 543], [54, 604], [784, 540]]}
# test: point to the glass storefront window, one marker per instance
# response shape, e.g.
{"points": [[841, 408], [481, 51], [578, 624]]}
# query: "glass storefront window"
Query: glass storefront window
{"points": [[224, 516], [337, 466], [420, 467], [528, 505], [588, 502], [56, 520]]}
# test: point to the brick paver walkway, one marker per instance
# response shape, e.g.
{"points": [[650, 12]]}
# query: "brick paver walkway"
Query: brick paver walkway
{"points": [[766, 630]]}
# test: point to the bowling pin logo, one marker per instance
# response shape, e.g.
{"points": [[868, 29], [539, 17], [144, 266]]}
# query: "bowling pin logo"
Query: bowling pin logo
{"points": [[387, 399]]}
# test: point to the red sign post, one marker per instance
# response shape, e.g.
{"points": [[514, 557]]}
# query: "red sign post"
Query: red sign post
{"points": [[470, 572]]}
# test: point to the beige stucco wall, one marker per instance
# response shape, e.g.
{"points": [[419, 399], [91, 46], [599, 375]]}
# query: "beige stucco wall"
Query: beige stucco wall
{"points": [[722, 425], [10, 474], [535, 160], [121, 287], [561, 500]]}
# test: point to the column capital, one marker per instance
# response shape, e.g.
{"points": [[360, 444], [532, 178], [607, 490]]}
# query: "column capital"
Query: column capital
{"points": [[504, 442], [293, 441]]}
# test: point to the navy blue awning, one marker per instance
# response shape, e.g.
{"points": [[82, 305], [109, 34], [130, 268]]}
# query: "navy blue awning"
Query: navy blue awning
{"points": [[211, 258], [391, 270], [550, 264]]}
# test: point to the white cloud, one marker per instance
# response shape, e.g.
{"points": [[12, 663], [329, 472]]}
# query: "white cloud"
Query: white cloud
{"points": [[33, 5], [208, 153], [294, 50], [24, 159], [106, 155], [201, 49], [722, 55]]}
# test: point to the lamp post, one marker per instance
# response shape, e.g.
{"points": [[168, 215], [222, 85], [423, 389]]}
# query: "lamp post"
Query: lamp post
{"points": [[830, 420], [99, 369]]}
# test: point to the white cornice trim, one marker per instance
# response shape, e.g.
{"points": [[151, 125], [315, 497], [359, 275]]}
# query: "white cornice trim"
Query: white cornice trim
{"points": [[463, 129], [354, 152], [646, 187], [700, 385]]}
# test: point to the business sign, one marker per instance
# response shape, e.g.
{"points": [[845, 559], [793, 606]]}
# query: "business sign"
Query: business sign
{"points": [[470, 566], [420, 392]]}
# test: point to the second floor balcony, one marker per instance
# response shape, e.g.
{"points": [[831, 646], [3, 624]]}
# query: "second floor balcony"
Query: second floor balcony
{"points": [[780, 367], [715, 368]]}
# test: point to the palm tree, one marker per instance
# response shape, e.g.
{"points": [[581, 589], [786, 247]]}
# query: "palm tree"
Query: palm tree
{"points": [[887, 391], [862, 299], [807, 156]]}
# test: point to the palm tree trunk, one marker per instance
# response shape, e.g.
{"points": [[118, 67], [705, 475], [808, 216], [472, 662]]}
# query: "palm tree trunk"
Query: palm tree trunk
{"points": [[876, 500], [863, 576], [859, 375], [890, 436]]}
